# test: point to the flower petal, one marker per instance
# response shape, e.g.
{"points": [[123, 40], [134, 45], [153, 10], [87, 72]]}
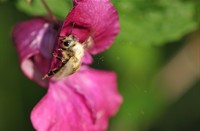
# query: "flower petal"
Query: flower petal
{"points": [[100, 91], [95, 18], [82, 102], [34, 40], [61, 110], [87, 58]]}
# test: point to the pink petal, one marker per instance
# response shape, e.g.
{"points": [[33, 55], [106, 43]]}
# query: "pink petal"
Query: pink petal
{"points": [[100, 91], [87, 58], [61, 109], [34, 40], [82, 102], [95, 18]]}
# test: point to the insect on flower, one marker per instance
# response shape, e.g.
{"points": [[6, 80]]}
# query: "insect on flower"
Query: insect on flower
{"points": [[89, 28], [71, 52]]}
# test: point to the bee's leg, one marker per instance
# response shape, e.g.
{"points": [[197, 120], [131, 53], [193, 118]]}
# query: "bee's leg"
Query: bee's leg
{"points": [[61, 49], [57, 57], [50, 73], [63, 60]]}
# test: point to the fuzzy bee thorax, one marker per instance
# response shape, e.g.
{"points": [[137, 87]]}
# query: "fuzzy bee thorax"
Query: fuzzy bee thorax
{"points": [[72, 52]]}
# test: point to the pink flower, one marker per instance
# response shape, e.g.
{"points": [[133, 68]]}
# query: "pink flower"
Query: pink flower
{"points": [[85, 100]]}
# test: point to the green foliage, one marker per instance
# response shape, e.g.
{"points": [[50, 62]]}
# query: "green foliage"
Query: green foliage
{"points": [[134, 66], [198, 12], [59, 8], [148, 22]]}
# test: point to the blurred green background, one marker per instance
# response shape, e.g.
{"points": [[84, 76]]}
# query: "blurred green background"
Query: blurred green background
{"points": [[160, 85]]}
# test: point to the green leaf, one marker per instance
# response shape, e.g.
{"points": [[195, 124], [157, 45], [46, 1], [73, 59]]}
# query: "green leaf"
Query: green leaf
{"points": [[197, 10], [59, 8], [155, 22]]}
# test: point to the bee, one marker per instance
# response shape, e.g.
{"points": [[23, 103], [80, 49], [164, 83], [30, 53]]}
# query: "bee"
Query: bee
{"points": [[71, 54]]}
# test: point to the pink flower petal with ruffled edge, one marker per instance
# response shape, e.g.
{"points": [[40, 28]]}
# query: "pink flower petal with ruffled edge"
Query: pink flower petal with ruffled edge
{"points": [[99, 88], [95, 18], [82, 102], [61, 109], [34, 40]]}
